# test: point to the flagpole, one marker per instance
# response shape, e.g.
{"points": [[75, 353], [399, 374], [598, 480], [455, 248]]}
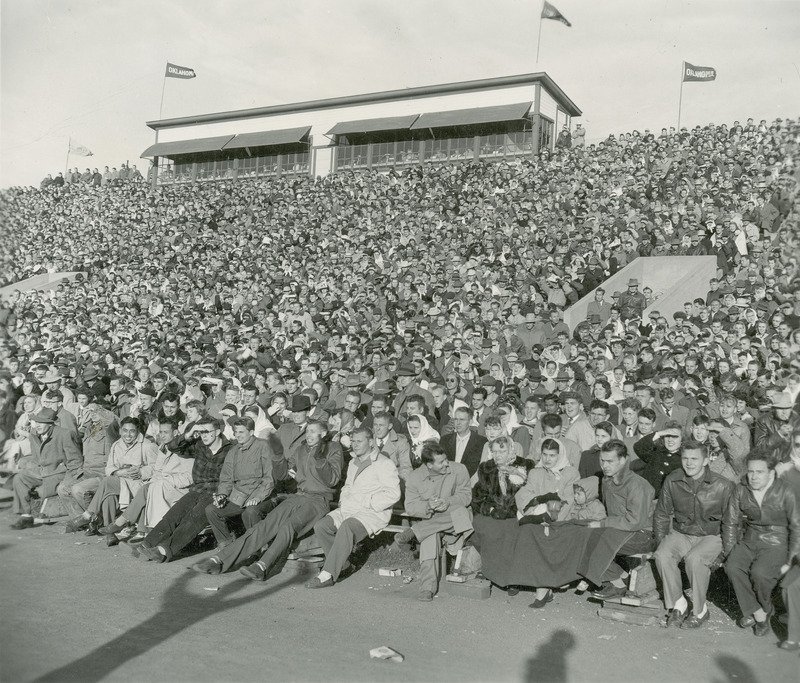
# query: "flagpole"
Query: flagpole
{"points": [[163, 88], [539, 39], [69, 146], [680, 97]]}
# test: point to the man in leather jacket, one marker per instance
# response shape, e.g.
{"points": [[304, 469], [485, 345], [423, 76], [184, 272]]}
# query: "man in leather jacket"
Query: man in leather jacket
{"points": [[697, 501], [768, 510]]}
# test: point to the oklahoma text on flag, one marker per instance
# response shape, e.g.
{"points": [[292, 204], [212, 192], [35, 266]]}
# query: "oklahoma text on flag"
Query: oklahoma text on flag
{"points": [[175, 71], [698, 73]]}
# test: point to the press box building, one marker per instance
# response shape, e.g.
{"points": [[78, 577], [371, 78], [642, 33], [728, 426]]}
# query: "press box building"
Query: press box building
{"points": [[488, 119]]}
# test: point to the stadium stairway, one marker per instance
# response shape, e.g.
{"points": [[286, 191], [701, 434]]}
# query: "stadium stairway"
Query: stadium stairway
{"points": [[674, 281]]}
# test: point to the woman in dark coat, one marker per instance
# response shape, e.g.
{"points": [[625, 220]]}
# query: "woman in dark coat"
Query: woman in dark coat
{"points": [[499, 479]]}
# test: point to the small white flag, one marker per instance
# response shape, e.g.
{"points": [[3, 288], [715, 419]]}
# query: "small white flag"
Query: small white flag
{"points": [[79, 150]]}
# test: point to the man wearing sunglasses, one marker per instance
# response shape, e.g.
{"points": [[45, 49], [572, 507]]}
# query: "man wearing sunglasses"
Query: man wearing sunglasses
{"points": [[205, 443]]}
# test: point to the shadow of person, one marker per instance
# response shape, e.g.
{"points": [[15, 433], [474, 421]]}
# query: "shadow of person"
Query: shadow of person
{"points": [[549, 665], [735, 670], [179, 609]]}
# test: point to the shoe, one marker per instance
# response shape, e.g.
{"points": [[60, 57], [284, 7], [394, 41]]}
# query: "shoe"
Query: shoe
{"points": [[425, 596], [255, 571], [93, 527], [316, 583], [137, 538], [609, 591], [676, 618], [111, 540], [511, 591], [746, 622], [148, 554], [22, 523], [404, 539], [762, 628], [789, 645], [207, 566], [693, 621], [79, 523], [111, 529], [538, 604]]}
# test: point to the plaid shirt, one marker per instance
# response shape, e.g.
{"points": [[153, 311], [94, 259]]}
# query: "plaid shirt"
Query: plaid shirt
{"points": [[207, 465]]}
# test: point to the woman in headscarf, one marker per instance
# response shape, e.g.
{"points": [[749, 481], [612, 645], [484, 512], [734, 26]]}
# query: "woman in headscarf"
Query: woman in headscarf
{"points": [[509, 418], [498, 480], [419, 431], [549, 482]]}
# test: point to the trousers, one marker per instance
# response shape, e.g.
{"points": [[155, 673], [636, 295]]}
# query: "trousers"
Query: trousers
{"points": [[791, 598], [429, 533], [338, 543], [754, 568], [251, 515], [23, 483], [77, 496], [697, 553], [106, 500], [181, 524], [640, 542], [294, 517], [135, 511]]}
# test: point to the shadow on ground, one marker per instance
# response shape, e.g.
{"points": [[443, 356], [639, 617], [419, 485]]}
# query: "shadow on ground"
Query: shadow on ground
{"points": [[549, 664], [180, 609], [734, 670]]}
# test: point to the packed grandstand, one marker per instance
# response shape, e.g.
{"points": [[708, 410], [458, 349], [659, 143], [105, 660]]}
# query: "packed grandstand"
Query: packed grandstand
{"points": [[454, 274]]}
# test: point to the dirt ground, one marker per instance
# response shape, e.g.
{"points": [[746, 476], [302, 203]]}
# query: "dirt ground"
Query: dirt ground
{"points": [[75, 610]]}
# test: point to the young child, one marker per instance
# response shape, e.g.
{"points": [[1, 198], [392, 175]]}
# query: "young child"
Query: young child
{"points": [[587, 506]]}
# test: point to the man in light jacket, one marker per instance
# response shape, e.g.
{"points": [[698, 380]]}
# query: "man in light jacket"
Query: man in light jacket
{"points": [[439, 494], [371, 488]]}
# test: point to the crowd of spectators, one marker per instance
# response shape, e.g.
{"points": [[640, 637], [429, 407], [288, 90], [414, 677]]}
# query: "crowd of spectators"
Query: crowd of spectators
{"points": [[435, 294]]}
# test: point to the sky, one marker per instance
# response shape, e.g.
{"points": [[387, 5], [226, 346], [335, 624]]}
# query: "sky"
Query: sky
{"points": [[92, 70]]}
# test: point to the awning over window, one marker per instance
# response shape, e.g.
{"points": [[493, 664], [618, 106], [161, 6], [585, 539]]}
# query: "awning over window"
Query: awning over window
{"points": [[373, 125], [174, 149], [471, 117], [268, 138]]}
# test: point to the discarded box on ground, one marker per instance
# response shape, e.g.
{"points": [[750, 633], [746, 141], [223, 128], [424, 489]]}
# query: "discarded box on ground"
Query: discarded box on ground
{"points": [[649, 600], [631, 615], [476, 589], [390, 571], [386, 653]]}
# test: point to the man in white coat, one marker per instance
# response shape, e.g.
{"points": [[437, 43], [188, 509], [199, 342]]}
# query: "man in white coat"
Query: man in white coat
{"points": [[371, 488]]}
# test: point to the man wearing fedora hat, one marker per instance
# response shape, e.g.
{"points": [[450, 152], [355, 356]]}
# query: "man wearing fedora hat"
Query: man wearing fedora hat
{"points": [[291, 434], [54, 456], [91, 378], [54, 381], [54, 399], [632, 302], [406, 382], [768, 430]]}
